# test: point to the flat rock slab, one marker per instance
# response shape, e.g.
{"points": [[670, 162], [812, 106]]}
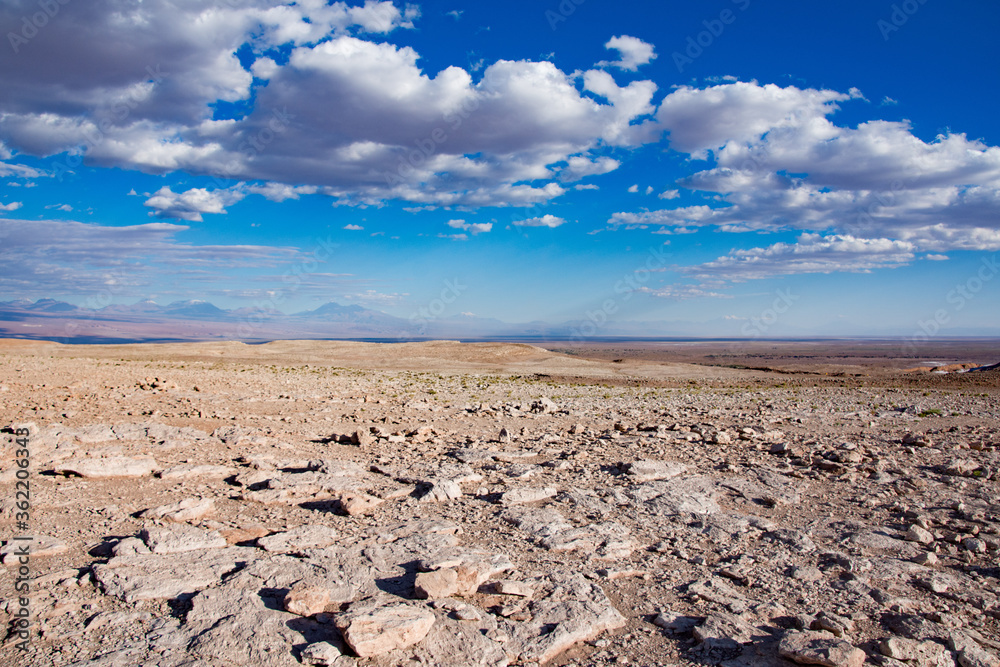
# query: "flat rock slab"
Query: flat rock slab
{"points": [[767, 487], [156, 577], [575, 610], [36, 546], [455, 640], [180, 538], [189, 509], [191, 470], [651, 471], [694, 495], [112, 466], [527, 495], [816, 648], [300, 538], [372, 628]]}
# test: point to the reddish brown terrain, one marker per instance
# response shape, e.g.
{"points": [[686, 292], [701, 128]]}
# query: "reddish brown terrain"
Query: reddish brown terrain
{"points": [[338, 503]]}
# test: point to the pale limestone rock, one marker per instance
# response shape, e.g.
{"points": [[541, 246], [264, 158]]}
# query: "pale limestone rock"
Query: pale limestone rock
{"points": [[155, 577], [356, 503], [306, 600], [372, 628], [576, 610], [300, 538], [816, 648], [651, 471], [442, 490], [527, 495], [189, 509], [191, 470], [180, 538], [437, 584], [920, 535], [35, 546], [112, 466]]}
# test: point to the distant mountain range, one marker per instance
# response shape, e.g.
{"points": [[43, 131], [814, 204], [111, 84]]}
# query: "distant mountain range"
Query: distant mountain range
{"points": [[148, 321]]}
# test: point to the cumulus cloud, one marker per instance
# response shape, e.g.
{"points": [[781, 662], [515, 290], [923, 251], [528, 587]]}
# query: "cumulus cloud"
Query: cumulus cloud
{"points": [[875, 180], [812, 253], [279, 192], [353, 228], [190, 204], [473, 228], [355, 118], [632, 52], [546, 220], [13, 206]]}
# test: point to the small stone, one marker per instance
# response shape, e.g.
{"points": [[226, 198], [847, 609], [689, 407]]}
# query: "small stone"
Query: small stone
{"points": [[363, 438], [544, 406], [509, 587], [927, 558], [323, 654], [372, 629], [306, 600], [356, 503], [442, 490], [917, 534], [806, 573], [838, 626], [436, 585], [975, 545], [527, 495], [651, 471], [189, 509], [814, 648]]}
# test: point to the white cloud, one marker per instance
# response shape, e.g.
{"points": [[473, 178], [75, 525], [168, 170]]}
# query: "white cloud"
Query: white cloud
{"points": [[633, 188], [649, 189], [190, 204], [812, 253], [279, 192], [587, 186], [702, 120], [669, 194], [353, 227], [544, 221], [473, 228], [684, 292], [875, 180], [579, 167], [343, 114], [936, 258], [377, 298], [13, 206], [632, 52]]}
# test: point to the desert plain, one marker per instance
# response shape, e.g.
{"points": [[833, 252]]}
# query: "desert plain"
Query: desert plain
{"points": [[443, 503]]}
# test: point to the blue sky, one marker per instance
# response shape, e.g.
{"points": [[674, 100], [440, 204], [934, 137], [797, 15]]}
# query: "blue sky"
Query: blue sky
{"points": [[583, 160]]}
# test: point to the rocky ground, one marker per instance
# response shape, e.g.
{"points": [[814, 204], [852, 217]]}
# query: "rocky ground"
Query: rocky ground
{"points": [[442, 504]]}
